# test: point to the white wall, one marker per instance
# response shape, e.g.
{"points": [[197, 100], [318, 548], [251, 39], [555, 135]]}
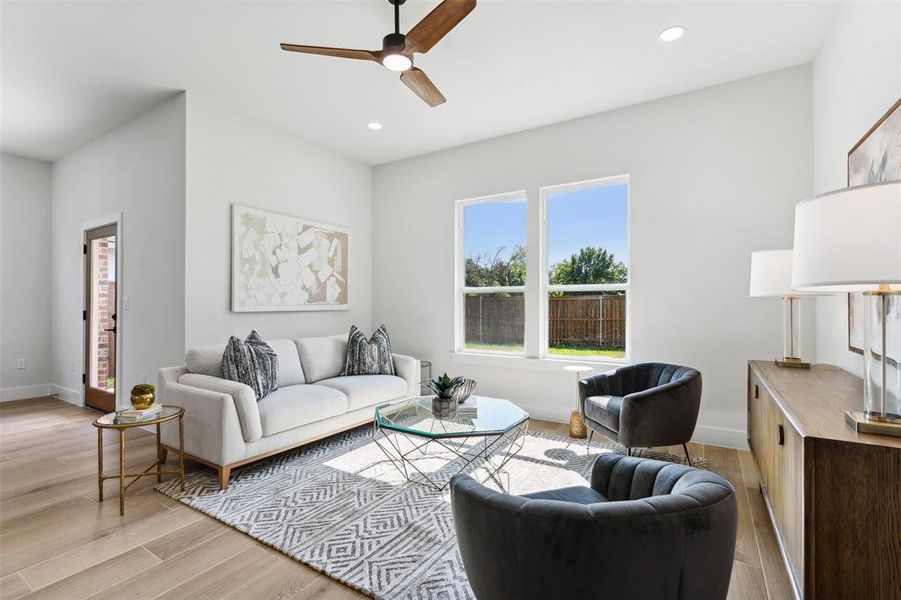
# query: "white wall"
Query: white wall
{"points": [[24, 277], [137, 170], [856, 78], [714, 175], [233, 159]]}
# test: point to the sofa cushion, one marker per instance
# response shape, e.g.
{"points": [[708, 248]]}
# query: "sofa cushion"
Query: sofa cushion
{"points": [[296, 405], [289, 370], [205, 360], [578, 494], [367, 390], [321, 357], [605, 410]]}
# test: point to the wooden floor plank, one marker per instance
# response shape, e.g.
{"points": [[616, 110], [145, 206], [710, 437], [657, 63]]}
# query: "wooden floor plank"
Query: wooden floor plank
{"points": [[775, 574], [85, 583], [13, 587], [54, 533], [171, 573], [219, 581], [746, 549], [747, 583], [109, 546], [282, 580], [186, 537]]}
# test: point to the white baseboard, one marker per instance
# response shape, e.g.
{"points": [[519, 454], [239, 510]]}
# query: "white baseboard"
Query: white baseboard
{"points": [[704, 434], [67, 395], [24, 392], [546, 412], [721, 436]]}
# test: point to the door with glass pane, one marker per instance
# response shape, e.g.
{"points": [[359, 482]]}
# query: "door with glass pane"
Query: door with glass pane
{"points": [[100, 318]]}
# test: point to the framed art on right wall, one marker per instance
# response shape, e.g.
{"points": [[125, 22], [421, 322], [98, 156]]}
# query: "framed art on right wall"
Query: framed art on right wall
{"points": [[875, 158]]}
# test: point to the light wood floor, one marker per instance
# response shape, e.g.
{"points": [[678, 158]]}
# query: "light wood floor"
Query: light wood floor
{"points": [[58, 541]]}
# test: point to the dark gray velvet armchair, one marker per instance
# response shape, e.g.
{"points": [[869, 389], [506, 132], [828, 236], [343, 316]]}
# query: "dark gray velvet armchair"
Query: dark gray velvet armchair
{"points": [[643, 405], [644, 529]]}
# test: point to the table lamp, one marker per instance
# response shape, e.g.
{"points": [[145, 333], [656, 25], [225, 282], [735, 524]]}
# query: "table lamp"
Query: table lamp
{"points": [[771, 277], [850, 241]]}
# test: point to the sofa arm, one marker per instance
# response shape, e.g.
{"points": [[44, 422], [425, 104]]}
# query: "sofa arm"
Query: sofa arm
{"points": [[243, 395], [212, 428], [407, 367]]}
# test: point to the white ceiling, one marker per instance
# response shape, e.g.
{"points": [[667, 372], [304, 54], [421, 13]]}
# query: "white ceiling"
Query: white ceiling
{"points": [[73, 70]]}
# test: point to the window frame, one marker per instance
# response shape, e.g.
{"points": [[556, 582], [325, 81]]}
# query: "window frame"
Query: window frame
{"points": [[536, 290], [460, 287], [545, 287]]}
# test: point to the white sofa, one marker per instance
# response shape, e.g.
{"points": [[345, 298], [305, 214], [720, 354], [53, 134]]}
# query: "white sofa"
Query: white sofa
{"points": [[225, 427]]}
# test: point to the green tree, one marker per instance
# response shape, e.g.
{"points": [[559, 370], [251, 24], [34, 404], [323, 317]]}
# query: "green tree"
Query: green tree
{"points": [[488, 269], [589, 265]]}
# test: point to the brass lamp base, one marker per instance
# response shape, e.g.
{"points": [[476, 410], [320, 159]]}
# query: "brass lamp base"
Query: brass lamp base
{"points": [[861, 424], [795, 363], [577, 426]]}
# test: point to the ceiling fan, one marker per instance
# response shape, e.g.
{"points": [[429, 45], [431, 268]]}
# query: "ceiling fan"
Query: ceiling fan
{"points": [[397, 49]]}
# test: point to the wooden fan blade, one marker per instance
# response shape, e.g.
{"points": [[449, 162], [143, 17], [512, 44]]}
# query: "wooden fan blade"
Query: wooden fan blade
{"points": [[339, 52], [418, 81], [438, 23]]}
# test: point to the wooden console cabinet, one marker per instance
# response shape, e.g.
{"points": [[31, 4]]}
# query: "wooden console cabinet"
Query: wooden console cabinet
{"points": [[834, 496]]}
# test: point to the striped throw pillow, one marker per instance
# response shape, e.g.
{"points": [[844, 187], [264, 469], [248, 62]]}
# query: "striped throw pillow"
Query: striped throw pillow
{"points": [[252, 362], [368, 357]]}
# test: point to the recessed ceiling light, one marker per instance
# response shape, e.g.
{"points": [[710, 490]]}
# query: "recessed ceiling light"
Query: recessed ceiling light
{"points": [[671, 34], [374, 125]]}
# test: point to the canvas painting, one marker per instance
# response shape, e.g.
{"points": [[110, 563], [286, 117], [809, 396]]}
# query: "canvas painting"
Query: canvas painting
{"points": [[286, 263], [876, 158]]}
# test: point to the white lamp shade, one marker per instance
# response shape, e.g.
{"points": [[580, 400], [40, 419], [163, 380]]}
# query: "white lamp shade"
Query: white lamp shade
{"points": [[849, 240], [771, 273]]}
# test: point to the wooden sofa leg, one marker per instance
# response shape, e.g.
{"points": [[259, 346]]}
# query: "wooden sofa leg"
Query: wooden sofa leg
{"points": [[224, 474]]}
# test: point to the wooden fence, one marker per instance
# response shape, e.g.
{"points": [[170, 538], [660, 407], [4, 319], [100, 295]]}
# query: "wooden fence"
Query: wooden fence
{"points": [[572, 320], [587, 320]]}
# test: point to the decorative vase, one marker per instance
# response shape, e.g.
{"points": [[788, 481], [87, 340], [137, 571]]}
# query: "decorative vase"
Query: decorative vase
{"points": [[577, 426], [464, 390], [444, 408], [142, 396]]}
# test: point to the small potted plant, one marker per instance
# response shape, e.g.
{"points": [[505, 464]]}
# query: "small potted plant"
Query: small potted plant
{"points": [[443, 404]]}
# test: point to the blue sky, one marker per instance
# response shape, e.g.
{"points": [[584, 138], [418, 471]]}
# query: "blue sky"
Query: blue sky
{"points": [[591, 217]]}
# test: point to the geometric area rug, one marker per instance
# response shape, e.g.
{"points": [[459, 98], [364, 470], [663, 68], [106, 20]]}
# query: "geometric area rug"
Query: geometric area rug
{"points": [[340, 506]]}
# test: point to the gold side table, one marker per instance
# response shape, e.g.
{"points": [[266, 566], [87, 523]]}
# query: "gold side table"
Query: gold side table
{"points": [[114, 421]]}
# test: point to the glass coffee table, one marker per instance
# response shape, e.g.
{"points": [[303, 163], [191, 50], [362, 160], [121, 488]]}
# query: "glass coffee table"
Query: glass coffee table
{"points": [[413, 431]]}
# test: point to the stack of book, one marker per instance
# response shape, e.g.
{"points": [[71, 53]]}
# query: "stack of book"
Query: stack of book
{"points": [[470, 408], [135, 414]]}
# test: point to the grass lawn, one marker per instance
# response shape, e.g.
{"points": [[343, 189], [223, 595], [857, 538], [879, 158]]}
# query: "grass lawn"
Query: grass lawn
{"points": [[596, 351]]}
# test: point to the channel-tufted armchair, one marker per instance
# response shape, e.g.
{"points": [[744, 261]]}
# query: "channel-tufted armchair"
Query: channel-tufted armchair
{"points": [[643, 405], [644, 529]]}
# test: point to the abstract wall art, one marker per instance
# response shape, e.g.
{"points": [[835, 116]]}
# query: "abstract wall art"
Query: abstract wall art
{"points": [[286, 263]]}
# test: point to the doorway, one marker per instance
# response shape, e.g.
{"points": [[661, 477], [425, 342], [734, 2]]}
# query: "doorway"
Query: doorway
{"points": [[100, 318]]}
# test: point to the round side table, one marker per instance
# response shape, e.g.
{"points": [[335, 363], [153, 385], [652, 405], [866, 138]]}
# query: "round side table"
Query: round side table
{"points": [[116, 422]]}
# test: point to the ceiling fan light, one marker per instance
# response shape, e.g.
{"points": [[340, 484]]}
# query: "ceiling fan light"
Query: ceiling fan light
{"points": [[397, 62]]}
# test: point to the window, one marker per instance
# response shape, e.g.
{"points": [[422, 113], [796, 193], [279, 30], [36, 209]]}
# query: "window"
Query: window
{"points": [[575, 302], [585, 281], [491, 274]]}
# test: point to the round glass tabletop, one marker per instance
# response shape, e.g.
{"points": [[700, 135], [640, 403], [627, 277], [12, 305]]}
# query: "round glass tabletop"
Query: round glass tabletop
{"points": [[117, 420], [479, 415]]}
